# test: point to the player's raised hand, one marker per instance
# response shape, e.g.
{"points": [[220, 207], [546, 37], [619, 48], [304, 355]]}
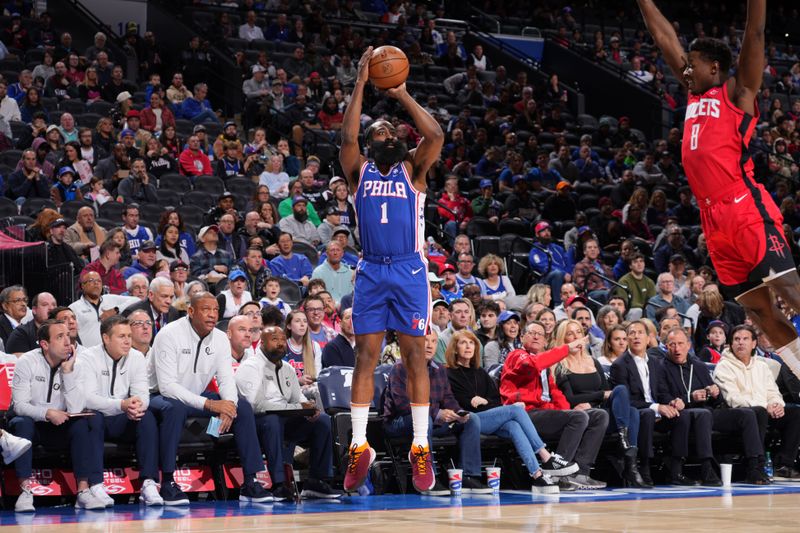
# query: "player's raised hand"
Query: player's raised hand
{"points": [[397, 92], [363, 65]]}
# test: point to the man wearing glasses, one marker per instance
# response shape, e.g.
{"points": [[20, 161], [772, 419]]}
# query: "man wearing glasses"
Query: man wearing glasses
{"points": [[141, 331], [158, 304], [464, 276], [14, 300], [526, 378], [315, 312]]}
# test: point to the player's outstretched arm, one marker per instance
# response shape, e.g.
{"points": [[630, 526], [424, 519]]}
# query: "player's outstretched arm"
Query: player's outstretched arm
{"points": [[349, 155], [429, 149], [664, 36], [750, 71]]}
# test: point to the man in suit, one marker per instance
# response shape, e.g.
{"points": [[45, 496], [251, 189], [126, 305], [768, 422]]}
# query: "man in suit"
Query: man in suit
{"points": [[158, 304], [658, 410], [14, 300], [23, 338]]}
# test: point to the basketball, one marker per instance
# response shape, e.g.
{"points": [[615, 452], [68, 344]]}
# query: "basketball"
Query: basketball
{"points": [[388, 67]]}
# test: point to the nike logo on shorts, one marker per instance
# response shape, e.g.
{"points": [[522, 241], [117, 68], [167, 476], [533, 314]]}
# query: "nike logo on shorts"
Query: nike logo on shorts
{"points": [[740, 198], [416, 271]]}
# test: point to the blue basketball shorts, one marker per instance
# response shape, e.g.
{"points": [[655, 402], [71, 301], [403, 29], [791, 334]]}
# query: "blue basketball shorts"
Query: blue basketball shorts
{"points": [[392, 293]]}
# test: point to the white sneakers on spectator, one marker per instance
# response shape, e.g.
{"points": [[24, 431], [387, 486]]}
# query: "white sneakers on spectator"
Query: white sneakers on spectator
{"points": [[24, 502], [87, 500], [99, 492], [13, 447], [149, 494]]}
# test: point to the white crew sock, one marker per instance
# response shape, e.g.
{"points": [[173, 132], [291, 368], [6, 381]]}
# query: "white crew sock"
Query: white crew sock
{"points": [[359, 412], [791, 355], [419, 420]]}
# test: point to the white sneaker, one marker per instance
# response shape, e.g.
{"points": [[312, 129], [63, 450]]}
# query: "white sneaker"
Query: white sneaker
{"points": [[149, 494], [99, 492], [13, 447], [87, 500], [24, 502]]}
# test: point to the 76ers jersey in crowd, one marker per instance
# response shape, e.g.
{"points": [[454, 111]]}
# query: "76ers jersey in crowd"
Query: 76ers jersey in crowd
{"points": [[716, 137], [390, 212]]}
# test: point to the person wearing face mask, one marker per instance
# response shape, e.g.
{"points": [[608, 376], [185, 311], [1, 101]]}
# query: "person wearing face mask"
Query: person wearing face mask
{"points": [[272, 386]]}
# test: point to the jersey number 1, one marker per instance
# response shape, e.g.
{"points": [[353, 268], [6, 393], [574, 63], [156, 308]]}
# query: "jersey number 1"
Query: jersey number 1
{"points": [[695, 135], [384, 213]]}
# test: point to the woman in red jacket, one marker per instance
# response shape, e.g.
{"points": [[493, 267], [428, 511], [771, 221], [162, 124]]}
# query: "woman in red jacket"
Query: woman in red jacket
{"points": [[157, 116]]}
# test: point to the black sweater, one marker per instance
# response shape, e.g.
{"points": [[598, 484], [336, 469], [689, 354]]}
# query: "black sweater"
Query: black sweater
{"points": [[466, 383], [584, 388]]}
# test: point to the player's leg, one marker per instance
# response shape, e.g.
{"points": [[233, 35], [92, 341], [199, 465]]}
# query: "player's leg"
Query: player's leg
{"points": [[412, 350], [360, 455]]}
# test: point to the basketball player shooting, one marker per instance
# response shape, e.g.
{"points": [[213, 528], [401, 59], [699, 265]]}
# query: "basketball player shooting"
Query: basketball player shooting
{"points": [[742, 224], [391, 286]]}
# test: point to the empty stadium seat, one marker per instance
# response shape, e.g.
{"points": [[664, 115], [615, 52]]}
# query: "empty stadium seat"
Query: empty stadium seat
{"points": [[209, 184], [291, 293], [175, 182], [200, 199]]}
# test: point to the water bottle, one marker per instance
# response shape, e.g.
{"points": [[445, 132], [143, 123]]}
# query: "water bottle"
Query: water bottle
{"points": [[768, 470]]}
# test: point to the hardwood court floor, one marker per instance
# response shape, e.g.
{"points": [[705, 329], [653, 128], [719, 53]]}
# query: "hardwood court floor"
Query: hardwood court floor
{"points": [[724, 512]]}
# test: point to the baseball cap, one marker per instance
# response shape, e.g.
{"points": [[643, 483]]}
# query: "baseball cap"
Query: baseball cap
{"points": [[439, 302], [124, 95], [563, 185], [176, 265], [313, 159], [237, 274], [573, 299], [206, 229], [447, 268], [584, 229], [337, 231], [335, 179], [666, 153], [148, 245], [228, 123], [199, 127], [541, 226], [516, 178], [314, 74], [50, 128], [332, 210], [614, 39], [58, 222], [258, 68], [65, 170], [127, 132], [132, 114], [226, 194], [433, 278], [505, 316], [486, 183], [677, 258], [624, 119], [298, 199], [276, 82], [717, 324]]}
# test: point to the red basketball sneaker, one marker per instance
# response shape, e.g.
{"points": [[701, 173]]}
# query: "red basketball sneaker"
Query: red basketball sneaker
{"points": [[359, 460], [421, 468]]}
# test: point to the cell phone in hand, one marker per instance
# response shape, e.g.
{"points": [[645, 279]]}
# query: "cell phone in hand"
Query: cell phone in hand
{"points": [[462, 413]]}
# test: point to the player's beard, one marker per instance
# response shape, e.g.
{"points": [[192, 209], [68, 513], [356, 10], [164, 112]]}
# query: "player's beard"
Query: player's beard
{"points": [[388, 155]]}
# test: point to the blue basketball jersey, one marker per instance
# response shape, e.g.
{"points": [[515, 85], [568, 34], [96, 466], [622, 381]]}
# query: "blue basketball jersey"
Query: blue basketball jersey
{"points": [[390, 212]]}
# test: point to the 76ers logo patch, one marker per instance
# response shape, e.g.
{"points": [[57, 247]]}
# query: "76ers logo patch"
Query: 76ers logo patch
{"points": [[417, 322]]}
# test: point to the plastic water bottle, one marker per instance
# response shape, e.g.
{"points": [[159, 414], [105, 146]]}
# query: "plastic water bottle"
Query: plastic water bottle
{"points": [[768, 470]]}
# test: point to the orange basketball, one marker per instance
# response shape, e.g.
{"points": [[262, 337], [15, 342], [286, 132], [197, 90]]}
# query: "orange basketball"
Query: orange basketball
{"points": [[388, 67]]}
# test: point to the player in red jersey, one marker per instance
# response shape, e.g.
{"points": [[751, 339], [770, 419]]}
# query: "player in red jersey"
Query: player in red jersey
{"points": [[742, 225]]}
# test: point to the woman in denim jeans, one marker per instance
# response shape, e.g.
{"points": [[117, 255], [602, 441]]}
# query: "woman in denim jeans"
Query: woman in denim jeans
{"points": [[476, 392]]}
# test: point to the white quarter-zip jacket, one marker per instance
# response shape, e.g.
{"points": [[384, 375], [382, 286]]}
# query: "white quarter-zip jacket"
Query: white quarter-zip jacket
{"points": [[107, 382], [88, 315], [268, 388], [181, 364], [37, 387]]}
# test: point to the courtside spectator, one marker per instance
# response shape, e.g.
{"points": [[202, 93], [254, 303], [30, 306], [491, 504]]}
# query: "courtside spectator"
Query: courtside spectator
{"points": [[24, 337], [94, 306]]}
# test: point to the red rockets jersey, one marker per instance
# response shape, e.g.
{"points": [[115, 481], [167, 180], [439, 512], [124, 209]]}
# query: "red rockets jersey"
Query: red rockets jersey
{"points": [[716, 137]]}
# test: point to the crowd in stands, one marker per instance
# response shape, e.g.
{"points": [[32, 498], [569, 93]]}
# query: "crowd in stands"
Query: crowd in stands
{"points": [[255, 269]]}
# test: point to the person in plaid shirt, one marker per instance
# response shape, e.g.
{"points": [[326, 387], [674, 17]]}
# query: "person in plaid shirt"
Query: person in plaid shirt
{"points": [[444, 417]]}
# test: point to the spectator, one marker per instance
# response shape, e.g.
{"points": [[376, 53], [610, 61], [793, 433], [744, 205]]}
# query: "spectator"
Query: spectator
{"points": [[747, 381], [42, 417], [686, 212], [23, 338], [137, 286], [560, 206], [209, 263], [296, 65], [177, 92], [9, 108], [665, 286], [584, 384], [85, 233], [145, 260], [134, 233], [640, 288], [295, 267], [136, 188], [675, 244], [249, 31], [454, 208], [256, 272], [14, 300], [688, 378], [275, 178], [193, 162], [58, 251], [341, 350], [157, 116], [582, 277], [184, 394], [338, 277], [18, 90], [298, 224], [235, 296], [197, 108], [462, 316], [507, 340], [495, 285], [526, 379], [113, 168], [28, 182], [93, 306]]}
